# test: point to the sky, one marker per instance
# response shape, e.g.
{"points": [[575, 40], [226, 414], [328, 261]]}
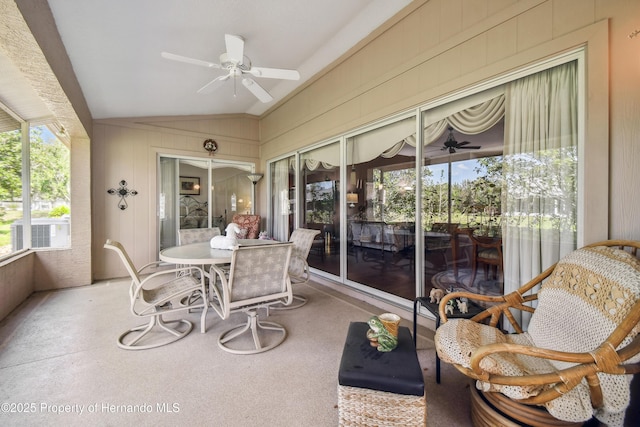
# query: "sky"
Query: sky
{"points": [[460, 171]]}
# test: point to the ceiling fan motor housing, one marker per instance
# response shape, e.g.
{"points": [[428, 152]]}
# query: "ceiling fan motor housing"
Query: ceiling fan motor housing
{"points": [[230, 64]]}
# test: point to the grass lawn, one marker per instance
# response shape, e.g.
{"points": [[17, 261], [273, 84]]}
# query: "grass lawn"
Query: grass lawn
{"points": [[5, 226], [7, 219]]}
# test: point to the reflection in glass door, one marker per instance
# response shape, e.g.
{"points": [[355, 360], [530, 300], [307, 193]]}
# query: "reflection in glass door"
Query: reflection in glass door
{"points": [[283, 198], [381, 208], [320, 205], [197, 193]]}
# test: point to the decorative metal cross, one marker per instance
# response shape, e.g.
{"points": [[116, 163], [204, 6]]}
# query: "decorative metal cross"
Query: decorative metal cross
{"points": [[123, 192]]}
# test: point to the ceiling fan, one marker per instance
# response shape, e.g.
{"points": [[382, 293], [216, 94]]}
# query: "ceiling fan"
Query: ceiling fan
{"points": [[452, 145], [237, 65]]}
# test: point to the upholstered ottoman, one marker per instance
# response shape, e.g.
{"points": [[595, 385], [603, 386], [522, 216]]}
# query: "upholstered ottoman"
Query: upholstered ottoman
{"points": [[376, 388]]}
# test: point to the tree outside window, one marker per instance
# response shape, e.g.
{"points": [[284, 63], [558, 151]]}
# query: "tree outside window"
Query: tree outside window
{"points": [[49, 192]]}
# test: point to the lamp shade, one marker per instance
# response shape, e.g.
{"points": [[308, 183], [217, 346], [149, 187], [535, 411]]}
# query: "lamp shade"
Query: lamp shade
{"points": [[254, 177], [352, 199]]}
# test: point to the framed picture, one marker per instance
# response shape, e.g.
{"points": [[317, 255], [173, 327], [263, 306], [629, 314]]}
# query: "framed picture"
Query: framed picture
{"points": [[190, 185]]}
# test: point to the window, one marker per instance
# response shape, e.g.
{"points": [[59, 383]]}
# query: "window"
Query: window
{"points": [[46, 173]]}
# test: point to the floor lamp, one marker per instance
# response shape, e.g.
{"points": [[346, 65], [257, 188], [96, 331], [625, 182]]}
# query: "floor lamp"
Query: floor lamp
{"points": [[254, 178]]}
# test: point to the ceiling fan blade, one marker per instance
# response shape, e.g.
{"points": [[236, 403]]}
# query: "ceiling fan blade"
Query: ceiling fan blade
{"points": [[235, 47], [193, 61], [470, 147], [460, 144], [214, 84], [275, 73], [257, 90]]}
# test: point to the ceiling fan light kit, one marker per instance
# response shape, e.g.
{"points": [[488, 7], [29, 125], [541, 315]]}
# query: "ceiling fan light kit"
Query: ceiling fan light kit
{"points": [[237, 65]]}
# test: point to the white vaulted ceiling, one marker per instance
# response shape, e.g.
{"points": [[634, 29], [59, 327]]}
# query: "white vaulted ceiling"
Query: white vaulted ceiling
{"points": [[114, 47]]}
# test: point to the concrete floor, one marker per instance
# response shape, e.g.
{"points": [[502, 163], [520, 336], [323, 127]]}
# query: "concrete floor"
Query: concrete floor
{"points": [[59, 365]]}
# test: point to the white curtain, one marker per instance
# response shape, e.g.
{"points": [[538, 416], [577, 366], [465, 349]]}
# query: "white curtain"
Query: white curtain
{"points": [[539, 170], [280, 199], [168, 205], [472, 120], [312, 165]]}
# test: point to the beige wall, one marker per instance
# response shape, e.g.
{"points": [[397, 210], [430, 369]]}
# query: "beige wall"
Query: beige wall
{"points": [[16, 278], [128, 149], [440, 46]]}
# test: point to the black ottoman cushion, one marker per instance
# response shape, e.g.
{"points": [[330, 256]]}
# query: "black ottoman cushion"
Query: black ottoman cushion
{"points": [[364, 366]]}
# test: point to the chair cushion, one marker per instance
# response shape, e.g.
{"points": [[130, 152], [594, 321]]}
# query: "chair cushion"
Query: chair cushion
{"points": [[589, 293], [489, 254], [363, 366], [457, 339]]}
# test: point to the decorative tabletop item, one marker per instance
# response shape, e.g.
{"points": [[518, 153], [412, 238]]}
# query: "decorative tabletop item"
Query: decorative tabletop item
{"points": [[383, 332], [210, 145]]}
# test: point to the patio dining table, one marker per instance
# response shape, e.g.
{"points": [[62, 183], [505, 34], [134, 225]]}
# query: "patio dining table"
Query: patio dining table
{"points": [[202, 254]]}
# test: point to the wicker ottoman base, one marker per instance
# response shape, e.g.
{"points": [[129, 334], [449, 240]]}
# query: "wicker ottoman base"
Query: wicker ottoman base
{"points": [[364, 407]]}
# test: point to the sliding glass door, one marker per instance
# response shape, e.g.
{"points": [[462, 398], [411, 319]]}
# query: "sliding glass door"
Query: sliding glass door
{"points": [[283, 198], [498, 170], [319, 204], [200, 193], [381, 207]]}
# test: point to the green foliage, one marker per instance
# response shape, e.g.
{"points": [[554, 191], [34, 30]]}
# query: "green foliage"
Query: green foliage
{"points": [[321, 198], [49, 167], [10, 166], [59, 211], [543, 182], [399, 197]]}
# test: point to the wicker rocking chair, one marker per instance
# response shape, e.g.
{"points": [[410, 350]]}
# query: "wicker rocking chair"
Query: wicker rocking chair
{"points": [[577, 355]]}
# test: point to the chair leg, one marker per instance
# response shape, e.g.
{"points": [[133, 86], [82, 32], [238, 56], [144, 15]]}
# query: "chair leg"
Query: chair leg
{"points": [[298, 301], [156, 320], [203, 316], [255, 326], [474, 272]]}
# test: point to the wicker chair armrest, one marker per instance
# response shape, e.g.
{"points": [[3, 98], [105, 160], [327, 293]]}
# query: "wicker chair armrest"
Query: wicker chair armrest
{"points": [[513, 300], [502, 305], [559, 382], [470, 295], [604, 359], [489, 349], [628, 352]]}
